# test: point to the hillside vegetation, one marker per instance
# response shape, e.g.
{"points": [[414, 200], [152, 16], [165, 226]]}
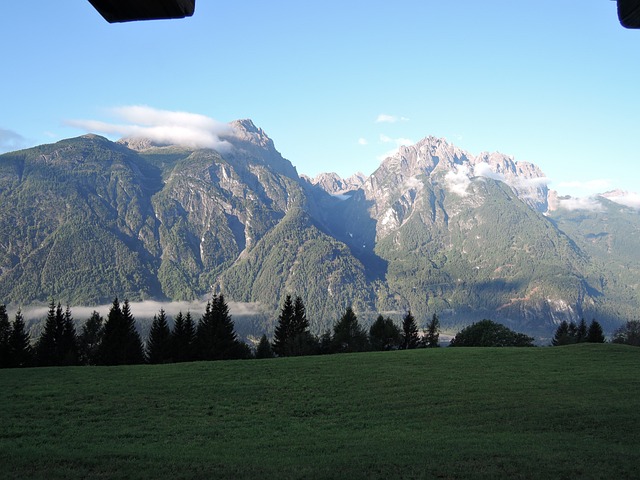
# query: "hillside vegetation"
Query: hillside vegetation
{"points": [[565, 412], [433, 230]]}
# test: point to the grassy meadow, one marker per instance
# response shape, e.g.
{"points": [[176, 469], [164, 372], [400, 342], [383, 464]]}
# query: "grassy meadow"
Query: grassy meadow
{"points": [[563, 412]]}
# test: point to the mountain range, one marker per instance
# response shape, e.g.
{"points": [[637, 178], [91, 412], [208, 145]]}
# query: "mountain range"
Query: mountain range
{"points": [[433, 230]]}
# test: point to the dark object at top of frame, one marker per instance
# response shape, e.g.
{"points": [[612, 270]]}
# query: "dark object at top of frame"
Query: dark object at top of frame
{"points": [[130, 10], [629, 13], [115, 11]]}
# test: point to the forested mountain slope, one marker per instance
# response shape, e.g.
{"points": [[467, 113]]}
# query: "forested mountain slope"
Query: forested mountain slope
{"points": [[433, 229]]}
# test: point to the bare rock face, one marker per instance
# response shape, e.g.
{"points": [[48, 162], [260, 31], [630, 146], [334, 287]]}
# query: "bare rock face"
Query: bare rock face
{"points": [[394, 188], [526, 180], [250, 145], [333, 184], [138, 144]]}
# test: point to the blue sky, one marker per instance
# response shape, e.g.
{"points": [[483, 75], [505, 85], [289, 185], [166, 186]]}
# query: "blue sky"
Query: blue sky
{"points": [[337, 84]]}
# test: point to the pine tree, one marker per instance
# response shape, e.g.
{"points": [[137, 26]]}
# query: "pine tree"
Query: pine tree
{"points": [[432, 336], [134, 352], [325, 343], [90, 338], [46, 344], [581, 332], [242, 351], [183, 338], [205, 334], [384, 334], [348, 335], [215, 335], [20, 343], [264, 348], [68, 340], [5, 333], [562, 335], [159, 342], [112, 337], [121, 344], [283, 332], [300, 324], [595, 334], [301, 342], [410, 337], [629, 334], [573, 332], [55, 345]]}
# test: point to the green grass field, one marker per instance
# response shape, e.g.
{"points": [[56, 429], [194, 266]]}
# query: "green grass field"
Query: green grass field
{"points": [[563, 412]]}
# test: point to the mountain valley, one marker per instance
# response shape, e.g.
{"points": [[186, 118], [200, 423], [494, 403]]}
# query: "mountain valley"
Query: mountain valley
{"points": [[433, 230]]}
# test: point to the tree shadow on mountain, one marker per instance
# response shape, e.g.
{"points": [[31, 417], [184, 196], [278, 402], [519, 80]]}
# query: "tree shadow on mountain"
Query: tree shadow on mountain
{"points": [[496, 285]]}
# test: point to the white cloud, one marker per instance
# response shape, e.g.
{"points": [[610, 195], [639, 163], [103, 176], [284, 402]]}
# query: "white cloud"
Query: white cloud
{"points": [[10, 140], [384, 118], [362, 141], [458, 181], [149, 308], [413, 182], [341, 196], [527, 188], [520, 184], [483, 169], [535, 182], [398, 141], [580, 203], [628, 199], [162, 126]]}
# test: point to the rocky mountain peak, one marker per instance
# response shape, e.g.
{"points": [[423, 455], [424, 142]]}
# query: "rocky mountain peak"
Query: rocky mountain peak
{"points": [[252, 146], [138, 144], [623, 197], [436, 157], [507, 166], [526, 180], [429, 154], [247, 132], [335, 185], [93, 136], [247, 125]]}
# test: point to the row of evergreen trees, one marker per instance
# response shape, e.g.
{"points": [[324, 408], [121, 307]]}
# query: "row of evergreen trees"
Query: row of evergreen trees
{"points": [[293, 338], [568, 333], [15, 343], [628, 334], [115, 341]]}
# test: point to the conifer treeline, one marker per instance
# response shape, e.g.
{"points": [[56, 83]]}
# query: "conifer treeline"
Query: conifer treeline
{"points": [[15, 344], [115, 340], [568, 333], [292, 336]]}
